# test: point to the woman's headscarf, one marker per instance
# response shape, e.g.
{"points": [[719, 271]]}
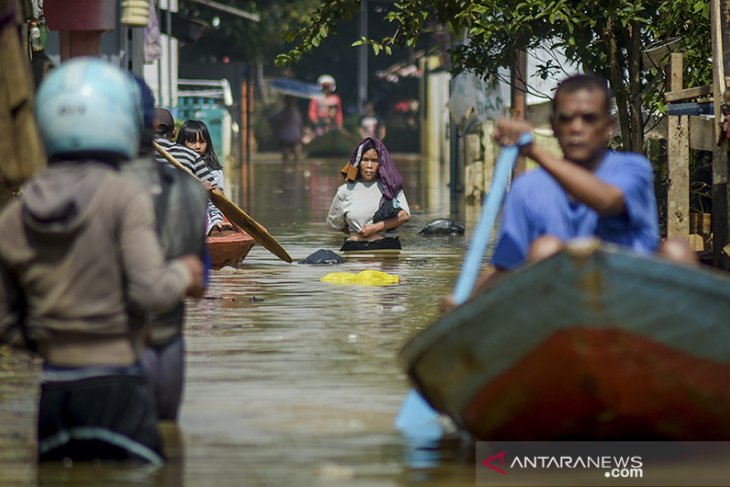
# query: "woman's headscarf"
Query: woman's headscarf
{"points": [[390, 178]]}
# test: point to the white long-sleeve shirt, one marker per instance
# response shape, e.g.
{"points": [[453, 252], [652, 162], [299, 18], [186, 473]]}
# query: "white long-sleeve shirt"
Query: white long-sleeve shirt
{"points": [[355, 204], [214, 214]]}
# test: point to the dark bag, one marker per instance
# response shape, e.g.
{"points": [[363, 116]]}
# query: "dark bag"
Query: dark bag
{"points": [[389, 209]]}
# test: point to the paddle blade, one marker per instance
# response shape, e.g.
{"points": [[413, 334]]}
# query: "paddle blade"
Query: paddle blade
{"points": [[417, 417], [239, 217]]}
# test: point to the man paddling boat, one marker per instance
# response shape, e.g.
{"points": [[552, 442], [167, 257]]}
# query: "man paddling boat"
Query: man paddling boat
{"points": [[590, 191]]}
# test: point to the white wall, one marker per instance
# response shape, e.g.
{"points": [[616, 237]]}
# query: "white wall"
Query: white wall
{"points": [[161, 75]]}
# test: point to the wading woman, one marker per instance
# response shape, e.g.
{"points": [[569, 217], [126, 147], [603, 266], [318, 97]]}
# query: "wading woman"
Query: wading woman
{"points": [[371, 204]]}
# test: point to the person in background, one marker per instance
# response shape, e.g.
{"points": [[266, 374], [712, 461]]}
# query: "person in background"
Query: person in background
{"points": [[330, 123], [371, 125], [180, 202], [195, 136], [327, 108], [371, 204], [590, 191], [288, 126], [79, 249], [165, 133]]}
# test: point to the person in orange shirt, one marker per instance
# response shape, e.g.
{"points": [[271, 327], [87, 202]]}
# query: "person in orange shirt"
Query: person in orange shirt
{"points": [[320, 108]]}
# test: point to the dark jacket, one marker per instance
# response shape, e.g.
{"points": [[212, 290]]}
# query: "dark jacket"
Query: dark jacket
{"points": [[80, 245], [180, 207]]}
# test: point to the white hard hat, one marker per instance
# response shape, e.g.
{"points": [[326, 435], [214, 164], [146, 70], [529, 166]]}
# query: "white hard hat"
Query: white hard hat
{"points": [[89, 105], [326, 79]]}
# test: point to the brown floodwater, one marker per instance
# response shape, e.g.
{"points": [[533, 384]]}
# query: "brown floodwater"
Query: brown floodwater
{"points": [[290, 380]]}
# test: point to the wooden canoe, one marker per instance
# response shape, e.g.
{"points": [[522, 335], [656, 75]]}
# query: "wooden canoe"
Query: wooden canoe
{"points": [[335, 143], [593, 343], [229, 249]]}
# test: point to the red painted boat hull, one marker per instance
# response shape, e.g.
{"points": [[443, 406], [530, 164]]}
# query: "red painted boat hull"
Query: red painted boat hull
{"points": [[229, 250], [604, 384], [593, 343]]}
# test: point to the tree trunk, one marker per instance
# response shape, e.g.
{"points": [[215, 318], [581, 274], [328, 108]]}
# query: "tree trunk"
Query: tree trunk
{"points": [[616, 81], [636, 141]]}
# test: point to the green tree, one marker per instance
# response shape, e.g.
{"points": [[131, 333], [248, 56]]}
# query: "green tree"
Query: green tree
{"points": [[242, 39], [605, 37]]}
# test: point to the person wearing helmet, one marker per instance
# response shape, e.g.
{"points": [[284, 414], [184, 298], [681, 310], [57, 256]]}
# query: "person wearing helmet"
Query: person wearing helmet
{"points": [[181, 210], [79, 250], [325, 112]]}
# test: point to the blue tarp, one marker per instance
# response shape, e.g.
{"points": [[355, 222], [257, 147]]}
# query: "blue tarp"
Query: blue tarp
{"points": [[296, 88]]}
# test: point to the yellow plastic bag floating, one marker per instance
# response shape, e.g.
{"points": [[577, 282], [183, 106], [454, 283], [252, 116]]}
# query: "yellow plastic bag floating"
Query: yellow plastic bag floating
{"points": [[364, 278]]}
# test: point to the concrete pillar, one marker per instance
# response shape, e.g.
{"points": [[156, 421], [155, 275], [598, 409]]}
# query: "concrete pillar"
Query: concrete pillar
{"points": [[81, 24]]}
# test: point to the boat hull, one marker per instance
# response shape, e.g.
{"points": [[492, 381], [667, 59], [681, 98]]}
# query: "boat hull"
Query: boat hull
{"points": [[593, 343], [229, 250], [603, 384]]}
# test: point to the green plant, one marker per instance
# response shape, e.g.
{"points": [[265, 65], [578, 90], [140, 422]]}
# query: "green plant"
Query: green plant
{"points": [[605, 37]]}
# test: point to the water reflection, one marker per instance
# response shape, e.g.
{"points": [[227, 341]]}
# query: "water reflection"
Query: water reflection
{"points": [[290, 381]]}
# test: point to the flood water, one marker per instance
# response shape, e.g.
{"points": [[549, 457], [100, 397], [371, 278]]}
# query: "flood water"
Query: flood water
{"points": [[290, 380]]}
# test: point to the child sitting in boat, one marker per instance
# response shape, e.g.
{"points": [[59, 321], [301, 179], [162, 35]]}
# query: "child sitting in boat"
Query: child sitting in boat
{"points": [[371, 204], [194, 135]]}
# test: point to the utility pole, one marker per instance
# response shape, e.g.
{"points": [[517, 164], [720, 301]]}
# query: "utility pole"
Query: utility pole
{"points": [[362, 59]]}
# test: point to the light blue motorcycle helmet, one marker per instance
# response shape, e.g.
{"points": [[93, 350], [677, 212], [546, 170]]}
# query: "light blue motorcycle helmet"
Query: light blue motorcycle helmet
{"points": [[89, 106]]}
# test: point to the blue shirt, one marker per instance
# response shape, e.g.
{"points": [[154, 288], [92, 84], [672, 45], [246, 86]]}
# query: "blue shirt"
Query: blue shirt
{"points": [[537, 205]]}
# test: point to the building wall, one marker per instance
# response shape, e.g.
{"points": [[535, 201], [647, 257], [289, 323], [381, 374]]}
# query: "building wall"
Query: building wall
{"points": [[161, 74]]}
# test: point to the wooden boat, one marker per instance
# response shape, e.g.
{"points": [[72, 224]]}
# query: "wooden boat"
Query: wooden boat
{"points": [[230, 249], [593, 343], [334, 143]]}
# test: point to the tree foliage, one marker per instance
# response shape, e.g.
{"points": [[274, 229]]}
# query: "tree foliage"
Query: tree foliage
{"points": [[243, 39], [605, 37]]}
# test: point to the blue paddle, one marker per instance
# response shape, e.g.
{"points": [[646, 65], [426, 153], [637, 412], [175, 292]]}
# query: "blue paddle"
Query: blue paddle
{"points": [[416, 415], [490, 209]]}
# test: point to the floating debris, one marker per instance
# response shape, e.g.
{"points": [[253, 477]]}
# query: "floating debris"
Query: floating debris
{"points": [[442, 226], [416, 262], [323, 257], [364, 278]]}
